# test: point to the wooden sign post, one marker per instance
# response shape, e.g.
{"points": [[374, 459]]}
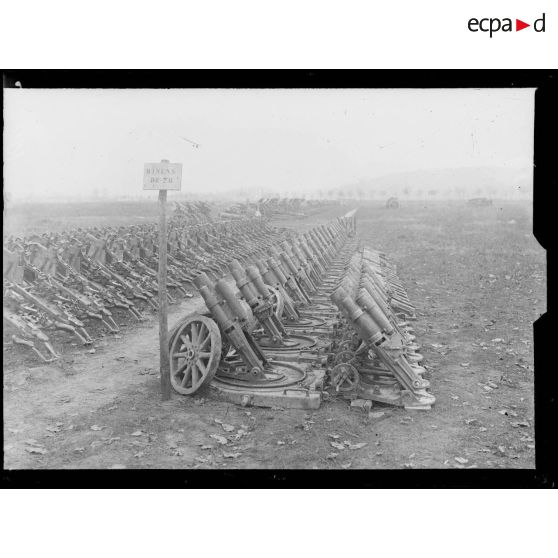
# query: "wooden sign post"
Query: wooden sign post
{"points": [[163, 176]]}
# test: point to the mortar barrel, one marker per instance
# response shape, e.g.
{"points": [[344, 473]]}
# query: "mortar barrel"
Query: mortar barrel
{"points": [[244, 284], [367, 303], [257, 281], [369, 331], [288, 263], [276, 268], [375, 294], [202, 280], [234, 303], [215, 307]]}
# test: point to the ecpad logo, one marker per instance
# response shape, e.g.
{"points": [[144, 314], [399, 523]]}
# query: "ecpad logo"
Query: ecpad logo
{"points": [[493, 25]]}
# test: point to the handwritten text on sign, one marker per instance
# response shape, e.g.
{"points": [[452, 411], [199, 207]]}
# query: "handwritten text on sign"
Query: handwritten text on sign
{"points": [[162, 176]]}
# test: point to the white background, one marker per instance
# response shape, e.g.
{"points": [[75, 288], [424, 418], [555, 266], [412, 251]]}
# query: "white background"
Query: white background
{"points": [[272, 34], [277, 524], [286, 34]]}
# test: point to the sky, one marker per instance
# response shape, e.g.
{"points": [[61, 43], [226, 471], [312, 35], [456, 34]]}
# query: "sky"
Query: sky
{"points": [[84, 142]]}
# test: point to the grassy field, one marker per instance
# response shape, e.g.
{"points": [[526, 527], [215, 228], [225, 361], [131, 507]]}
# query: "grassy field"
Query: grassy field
{"points": [[477, 278]]}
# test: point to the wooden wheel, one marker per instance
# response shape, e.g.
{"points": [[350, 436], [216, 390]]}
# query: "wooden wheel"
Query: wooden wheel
{"points": [[195, 353]]}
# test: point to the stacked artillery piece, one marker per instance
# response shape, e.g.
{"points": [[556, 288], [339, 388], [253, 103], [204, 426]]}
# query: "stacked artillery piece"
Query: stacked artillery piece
{"points": [[192, 213], [271, 336], [29, 314], [240, 211], [287, 315], [265, 337], [281, 206], [274, 208], [63, 281], [374, 353]]}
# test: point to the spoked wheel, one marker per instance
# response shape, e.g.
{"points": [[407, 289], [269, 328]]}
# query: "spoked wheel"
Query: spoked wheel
{"points": [[195, 352]]}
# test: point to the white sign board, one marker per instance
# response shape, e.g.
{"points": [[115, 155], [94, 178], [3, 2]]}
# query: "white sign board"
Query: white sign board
{"points": [[162, 176]]}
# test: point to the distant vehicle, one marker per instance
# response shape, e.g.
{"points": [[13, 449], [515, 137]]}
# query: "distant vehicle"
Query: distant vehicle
{"points": [[479, 202], [392, 203]]}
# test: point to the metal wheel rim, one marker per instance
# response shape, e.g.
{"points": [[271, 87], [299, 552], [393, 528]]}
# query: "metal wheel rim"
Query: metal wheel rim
{"points": [[195, 352]]}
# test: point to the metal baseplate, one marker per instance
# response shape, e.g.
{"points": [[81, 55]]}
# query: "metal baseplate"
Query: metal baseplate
{"points": [[307, 395], [394, 395]]}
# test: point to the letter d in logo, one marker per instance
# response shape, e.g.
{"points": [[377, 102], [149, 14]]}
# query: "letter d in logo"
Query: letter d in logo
{"points": [[540, 21]]}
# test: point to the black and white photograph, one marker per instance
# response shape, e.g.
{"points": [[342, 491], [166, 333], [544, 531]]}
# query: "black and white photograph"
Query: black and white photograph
{"points": [[232, 279]]}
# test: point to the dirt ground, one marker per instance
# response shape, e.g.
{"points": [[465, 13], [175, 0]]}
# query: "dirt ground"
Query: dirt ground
{"points": [[477, 278]]}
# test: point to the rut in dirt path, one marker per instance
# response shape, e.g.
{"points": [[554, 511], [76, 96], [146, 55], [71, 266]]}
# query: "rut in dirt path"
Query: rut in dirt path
{"points": [[83, 382]]}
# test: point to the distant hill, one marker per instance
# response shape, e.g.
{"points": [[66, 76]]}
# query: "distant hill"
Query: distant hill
{"points": [[458, 183]]}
